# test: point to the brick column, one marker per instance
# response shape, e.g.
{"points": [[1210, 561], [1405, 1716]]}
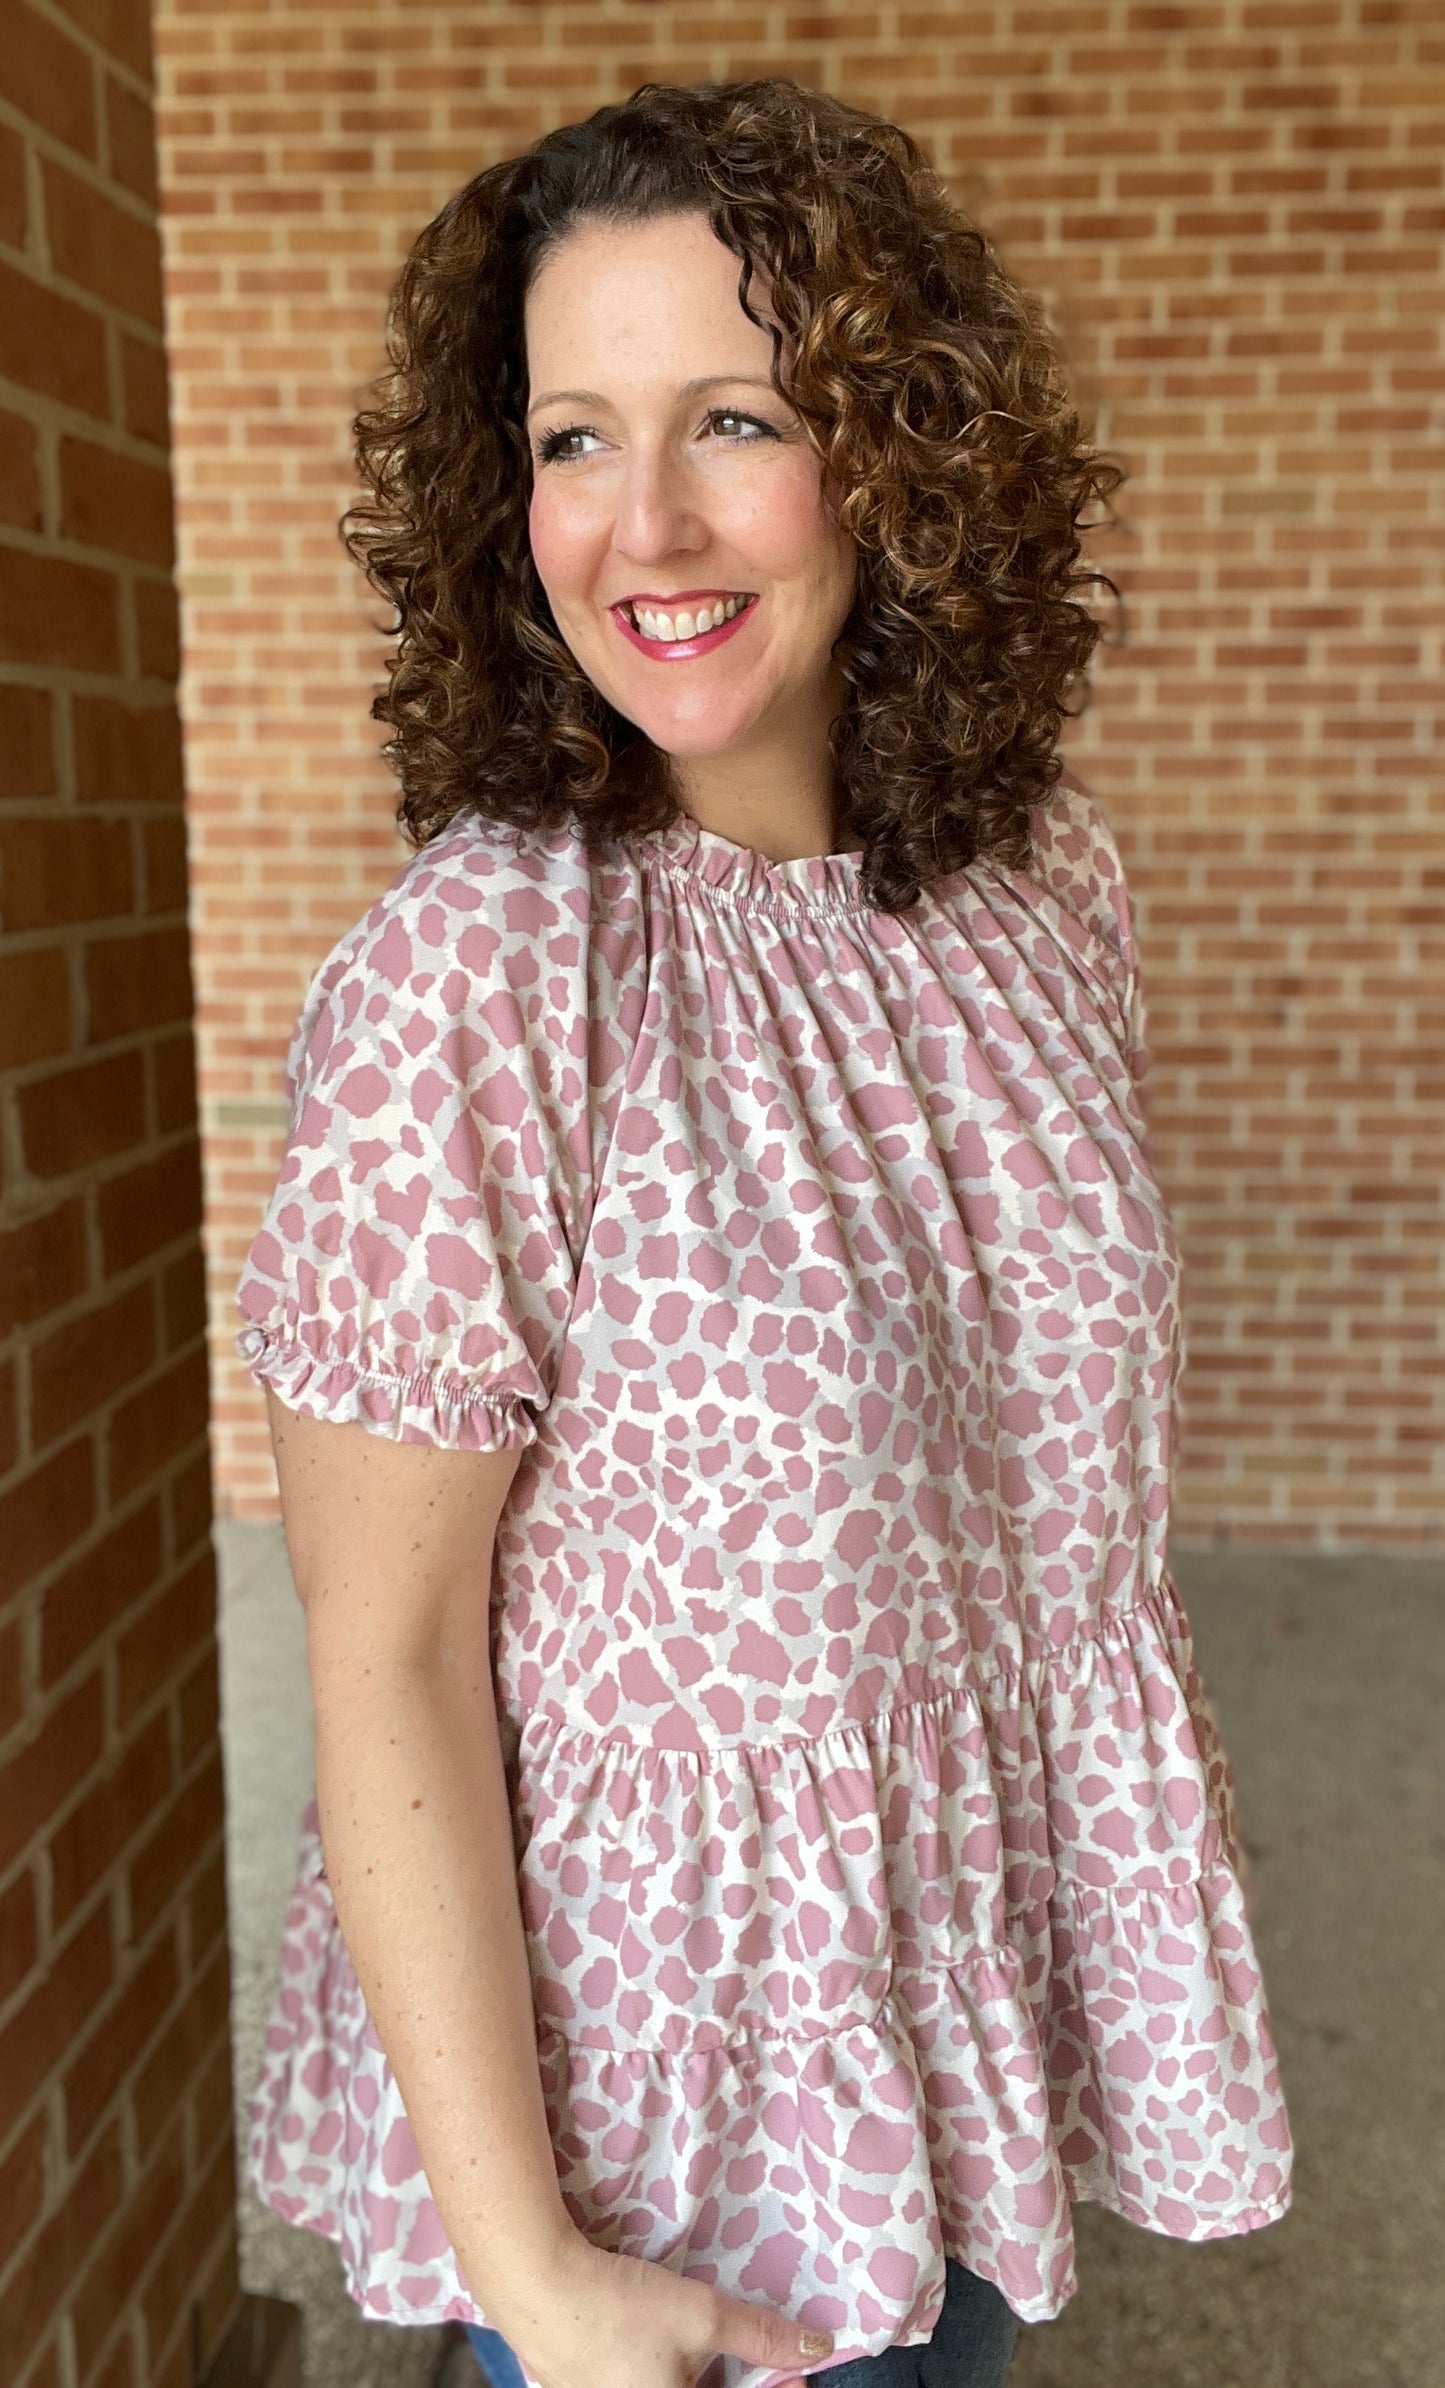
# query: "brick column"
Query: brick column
{"points": [[117, 2230]]}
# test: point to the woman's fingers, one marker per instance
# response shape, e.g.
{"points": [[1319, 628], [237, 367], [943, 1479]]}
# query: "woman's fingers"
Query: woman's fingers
{"points": [[760, 2335]]}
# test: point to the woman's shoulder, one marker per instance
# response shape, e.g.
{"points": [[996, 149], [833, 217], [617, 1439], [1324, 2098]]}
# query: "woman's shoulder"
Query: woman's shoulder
{"points": [[1077, 859], [477, 890], [485, 924]]}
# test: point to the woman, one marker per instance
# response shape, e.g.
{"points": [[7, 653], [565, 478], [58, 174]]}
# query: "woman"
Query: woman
{"points": [[720, 1326]]}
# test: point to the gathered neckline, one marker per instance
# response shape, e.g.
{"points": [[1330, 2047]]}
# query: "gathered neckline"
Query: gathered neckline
{"points": [[808, 882]]}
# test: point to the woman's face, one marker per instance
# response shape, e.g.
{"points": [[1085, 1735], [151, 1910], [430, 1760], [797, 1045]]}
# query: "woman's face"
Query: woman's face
{"points": [[669, 476]]}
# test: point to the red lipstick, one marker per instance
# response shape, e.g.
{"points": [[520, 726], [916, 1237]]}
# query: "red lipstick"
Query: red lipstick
{"points": [[679, 649]]}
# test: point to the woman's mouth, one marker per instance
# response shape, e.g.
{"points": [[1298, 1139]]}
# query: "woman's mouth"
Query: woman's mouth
{"points": [[687, 629]]}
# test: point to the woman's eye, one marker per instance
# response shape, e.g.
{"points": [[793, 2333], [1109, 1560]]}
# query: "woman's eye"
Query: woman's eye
{"points": [[727, 414], [553, 444], [553, 449]]}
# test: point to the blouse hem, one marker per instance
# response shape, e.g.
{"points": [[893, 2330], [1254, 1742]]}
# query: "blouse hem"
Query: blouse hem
{"points": [[1239, 2223]]}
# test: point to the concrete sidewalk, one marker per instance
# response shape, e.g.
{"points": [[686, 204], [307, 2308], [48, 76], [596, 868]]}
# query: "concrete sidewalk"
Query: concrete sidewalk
{"points": [[1329, 1677]]}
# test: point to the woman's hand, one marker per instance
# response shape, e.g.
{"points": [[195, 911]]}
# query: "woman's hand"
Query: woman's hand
{"points": [[594, 2320]]}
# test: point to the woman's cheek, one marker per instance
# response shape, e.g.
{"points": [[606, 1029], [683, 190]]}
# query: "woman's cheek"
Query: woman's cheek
{"points": [[540, 534], [557, 553], [789, 526]]}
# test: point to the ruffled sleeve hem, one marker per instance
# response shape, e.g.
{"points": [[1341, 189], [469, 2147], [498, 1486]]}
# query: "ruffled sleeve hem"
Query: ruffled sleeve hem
{"points": [[435, 1406]]}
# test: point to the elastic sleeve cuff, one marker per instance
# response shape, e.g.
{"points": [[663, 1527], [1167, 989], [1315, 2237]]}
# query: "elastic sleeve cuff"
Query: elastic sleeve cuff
{"points": [[429, 1406]]}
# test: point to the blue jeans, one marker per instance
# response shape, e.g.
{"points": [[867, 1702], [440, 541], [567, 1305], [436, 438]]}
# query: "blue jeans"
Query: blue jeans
{"points": [[972, 2346], [492, 2352]]}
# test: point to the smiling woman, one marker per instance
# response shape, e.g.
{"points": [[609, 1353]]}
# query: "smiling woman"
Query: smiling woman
{"points": [[680, 506], [716, 340], [772, 1853]]}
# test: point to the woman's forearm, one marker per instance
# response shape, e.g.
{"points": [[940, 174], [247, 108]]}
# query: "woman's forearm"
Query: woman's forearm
{"points": [[417, 1832]]}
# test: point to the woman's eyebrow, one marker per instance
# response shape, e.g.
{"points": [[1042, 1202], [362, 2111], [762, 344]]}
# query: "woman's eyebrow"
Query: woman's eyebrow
{"points": [[689, 389]]}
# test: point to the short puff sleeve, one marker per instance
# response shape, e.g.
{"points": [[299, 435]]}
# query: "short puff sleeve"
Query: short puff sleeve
{"points": [[414, 1270]]}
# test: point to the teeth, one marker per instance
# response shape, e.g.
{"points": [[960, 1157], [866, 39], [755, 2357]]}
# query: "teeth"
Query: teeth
{"points": [[666, 628]]}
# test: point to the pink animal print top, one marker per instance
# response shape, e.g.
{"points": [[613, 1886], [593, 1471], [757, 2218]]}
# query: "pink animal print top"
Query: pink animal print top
{"points": [[875, 1843]]}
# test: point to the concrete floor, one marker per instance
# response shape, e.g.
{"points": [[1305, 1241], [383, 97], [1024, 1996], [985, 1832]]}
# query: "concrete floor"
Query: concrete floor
{"points": [[1328, 1674], [266, 1738]]}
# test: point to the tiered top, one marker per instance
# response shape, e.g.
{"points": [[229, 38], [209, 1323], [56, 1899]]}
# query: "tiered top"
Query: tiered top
{"points": [[874, 1841]]}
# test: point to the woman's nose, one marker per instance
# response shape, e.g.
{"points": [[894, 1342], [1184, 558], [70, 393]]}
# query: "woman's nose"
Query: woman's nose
{"points": [[657, 511]]}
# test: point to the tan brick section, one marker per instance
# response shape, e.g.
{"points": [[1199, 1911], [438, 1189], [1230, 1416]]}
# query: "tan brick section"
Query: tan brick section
{"points": [[1234, 209], [117, 2184]]}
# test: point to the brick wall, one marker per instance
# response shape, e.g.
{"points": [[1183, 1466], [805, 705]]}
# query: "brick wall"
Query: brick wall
{"points": [[116, 2160], [1235, 210]]}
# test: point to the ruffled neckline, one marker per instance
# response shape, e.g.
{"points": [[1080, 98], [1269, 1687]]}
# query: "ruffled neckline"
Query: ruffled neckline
{"points": [[809, 882]]}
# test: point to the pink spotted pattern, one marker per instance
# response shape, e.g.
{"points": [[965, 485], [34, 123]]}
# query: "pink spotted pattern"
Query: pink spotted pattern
{"points": [[875, 1842]]}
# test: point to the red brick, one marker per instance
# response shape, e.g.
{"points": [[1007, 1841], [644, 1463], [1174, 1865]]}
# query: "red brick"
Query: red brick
{"points": [[27, 742], [58, 612], [117, 2366], [45, 2372], [132, 139], [115, 501], [76, 1117], [205, 1905], [126, 754], [9, 1458], [198, 1706], [48, 342], [22, 2188], [19, 1939], [42, 1265], [55, 612], [188, 1503], [75, 1371], [191, 2243], [82, 1604], [91, 344], [174, 1848], [13, 211], [154, 1426], [121, 26], [167, 883], [35, 1020], [140, 2008], [213, 2097], [143, 369], [46, 77], [19, 474], [125, 2256], [183, 1298], [40, 1517], [66, 1994], [149, 1207], [185, 1610], [163, 2083], [221, 2290], [57, 867], [173, 1061], [158, 629], [102, 246], [138, 982]]}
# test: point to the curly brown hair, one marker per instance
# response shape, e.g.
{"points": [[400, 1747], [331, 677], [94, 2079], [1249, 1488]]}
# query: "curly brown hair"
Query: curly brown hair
{"points": [[928, 383]]}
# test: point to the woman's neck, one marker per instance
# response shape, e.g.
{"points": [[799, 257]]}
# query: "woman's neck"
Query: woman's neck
{"points": [[779, 796]]}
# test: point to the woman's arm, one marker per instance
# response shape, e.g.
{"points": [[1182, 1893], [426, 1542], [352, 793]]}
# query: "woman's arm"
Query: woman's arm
{"points": [[391, 1552]]}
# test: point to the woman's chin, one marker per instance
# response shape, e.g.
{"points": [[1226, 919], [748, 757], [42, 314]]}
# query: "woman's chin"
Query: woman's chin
{"points": [[696, 741]]}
